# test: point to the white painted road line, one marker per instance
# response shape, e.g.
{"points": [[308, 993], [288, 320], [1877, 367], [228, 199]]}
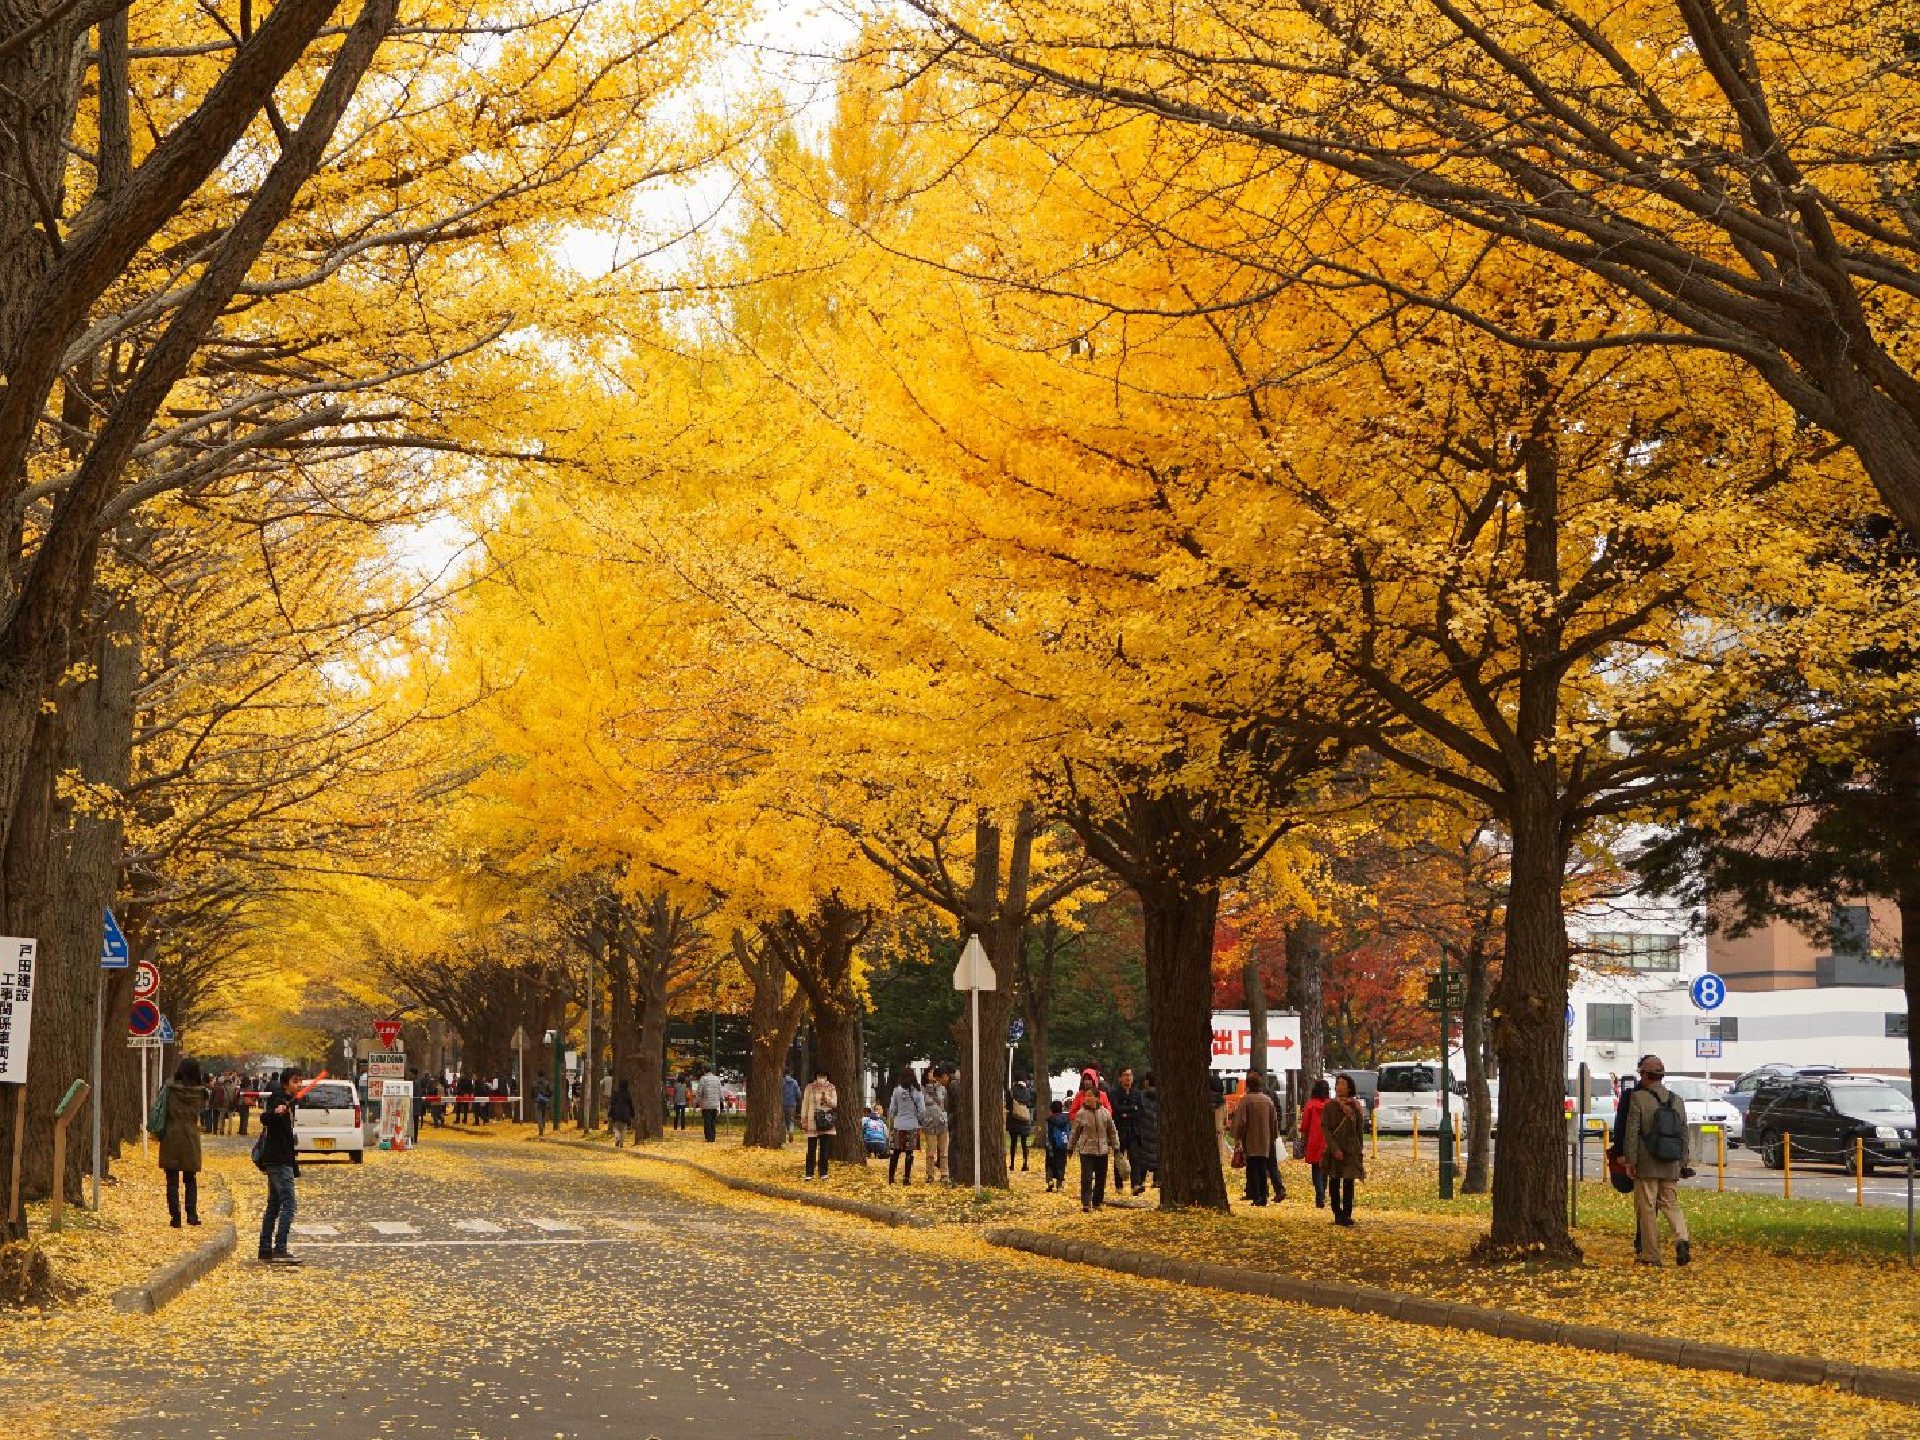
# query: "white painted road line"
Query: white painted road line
{"points": [[479, 1227], [552, 1227], [393, 1227], [489, 1244], [314, 1229]]}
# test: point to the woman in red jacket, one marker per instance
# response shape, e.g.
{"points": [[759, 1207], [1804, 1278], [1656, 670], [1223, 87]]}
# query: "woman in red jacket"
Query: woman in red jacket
{"points": [[1313, 1140]]}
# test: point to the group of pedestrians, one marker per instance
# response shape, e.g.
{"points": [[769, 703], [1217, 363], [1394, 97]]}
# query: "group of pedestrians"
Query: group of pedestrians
{"points": [[1114, 1130], [226, 1102], [918, 1116]]}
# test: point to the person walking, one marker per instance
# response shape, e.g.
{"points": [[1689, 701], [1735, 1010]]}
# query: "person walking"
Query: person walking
{"points": [[243, 1102], [276, 1154], [1092, 1136], [463, 1099], [1256, 1128], [620, 1114], [1125, 1101], [1146, 1135], [180, 1140], [789, 1099], [682, 1095], [906, 1118], [1344, 1124], [711, 1095], [1313, 1139], [1058, 1142], [1659, 1153], [1019, 1120], [933, 1095], [819, 1118], [542, 1105]]}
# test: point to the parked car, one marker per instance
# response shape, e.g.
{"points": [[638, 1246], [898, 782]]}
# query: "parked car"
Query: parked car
{"points": [[1707, 1106], [1825, 1114], [1409, 1092], [1740, 1094], [326, 1121], [1903, 1084]]}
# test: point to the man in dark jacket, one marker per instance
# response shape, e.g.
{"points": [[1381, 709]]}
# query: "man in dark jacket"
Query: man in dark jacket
{"points": [[278, 1159], [1146, 1134], [1126, 1119]]}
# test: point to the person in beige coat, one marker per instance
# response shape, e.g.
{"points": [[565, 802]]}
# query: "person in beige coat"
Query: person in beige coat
{"points": [[1094, 1137], [1658, 1150], [820, 1119], [1256, 1127]]}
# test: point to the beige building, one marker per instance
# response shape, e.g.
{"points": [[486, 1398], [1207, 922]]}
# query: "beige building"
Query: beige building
{"points": [[1860, 948]]}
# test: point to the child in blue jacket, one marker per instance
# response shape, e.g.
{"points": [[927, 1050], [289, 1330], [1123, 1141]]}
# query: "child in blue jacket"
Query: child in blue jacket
{"points": [[1059, 1129]]}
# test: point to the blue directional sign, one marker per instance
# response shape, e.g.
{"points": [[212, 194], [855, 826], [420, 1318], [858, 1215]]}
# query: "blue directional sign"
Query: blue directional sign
{"points": [[1016, 1030], [113, 944], [165, 1032], [1709, 991], [1569, 1016]]}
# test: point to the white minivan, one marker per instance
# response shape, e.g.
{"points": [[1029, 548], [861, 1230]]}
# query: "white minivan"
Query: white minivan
{"points": [[326, 1121], [1410, 1092]]}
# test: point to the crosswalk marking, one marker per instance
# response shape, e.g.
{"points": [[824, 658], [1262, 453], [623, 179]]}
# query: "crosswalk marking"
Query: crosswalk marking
{"points": [[300, 1228], [552, 1227], [479, 1227], [393, 1227]]}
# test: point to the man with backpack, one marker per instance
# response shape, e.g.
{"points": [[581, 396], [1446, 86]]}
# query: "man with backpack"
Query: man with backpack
{"points": [[1659, 1153]]}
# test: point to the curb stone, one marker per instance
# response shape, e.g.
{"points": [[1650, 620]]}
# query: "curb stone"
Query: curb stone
{"points": [[864, 1209], [1870, 1381], [172, 1278]]}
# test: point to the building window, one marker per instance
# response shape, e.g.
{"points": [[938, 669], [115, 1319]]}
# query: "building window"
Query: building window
{"points": [[1897, 1027], [1724, 1029], [1635, 950], [1850, 931], [1608, 1021]]}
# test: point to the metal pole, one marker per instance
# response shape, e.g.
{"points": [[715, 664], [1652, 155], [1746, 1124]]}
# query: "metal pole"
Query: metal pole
{"points": [[1910, 1158], [1446, 1090], [975, 995], [589, 1091], [144, 1052], [99, 1036]]}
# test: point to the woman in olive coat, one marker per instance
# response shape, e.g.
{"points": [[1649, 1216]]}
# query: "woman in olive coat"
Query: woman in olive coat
{"points": [[180, 1141], [1344, 1125]]}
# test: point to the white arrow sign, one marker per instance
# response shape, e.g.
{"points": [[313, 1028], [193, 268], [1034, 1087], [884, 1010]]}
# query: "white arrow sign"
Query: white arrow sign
{"points": [[975, 971]]}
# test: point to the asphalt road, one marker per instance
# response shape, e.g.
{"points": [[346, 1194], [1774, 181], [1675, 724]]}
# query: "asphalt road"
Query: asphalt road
{"points": [[501, 1291]]}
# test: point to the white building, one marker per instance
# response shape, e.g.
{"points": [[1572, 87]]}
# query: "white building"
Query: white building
{"points": [[1629, 954]]}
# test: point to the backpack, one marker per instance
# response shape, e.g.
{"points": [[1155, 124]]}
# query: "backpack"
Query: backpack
{"points": [[1666, 1139]]}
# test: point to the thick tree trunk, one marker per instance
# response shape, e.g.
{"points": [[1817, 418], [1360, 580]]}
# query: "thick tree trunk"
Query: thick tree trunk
{"points": [[1530, 1035], [1256, 988], [772, 1018], [1306, 991], [1473, 1044], [1909, 901], [836, 1042], [650, 1053], [1179, 922], [623, 1031]]}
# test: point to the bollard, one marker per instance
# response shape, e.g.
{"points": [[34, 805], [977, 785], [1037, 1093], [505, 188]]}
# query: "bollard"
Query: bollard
{"points": [[1375, 1113], [1456, 1129], [1859, 1171], [1720, 1160], [63, 1114], [1416, 1136], [1786, 1164]]}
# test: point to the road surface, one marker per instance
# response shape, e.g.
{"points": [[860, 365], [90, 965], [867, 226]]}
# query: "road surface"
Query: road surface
{"points": [[508, 1291]]}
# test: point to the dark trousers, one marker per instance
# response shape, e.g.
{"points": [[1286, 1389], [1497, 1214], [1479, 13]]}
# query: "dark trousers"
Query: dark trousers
{"points": [[1017, 1145], [539, 1118], [1093, 1180], [174, 1177], [894, 1159], [1264, 1171], [1340, 1195], [276, 1221], [243, 1121], [679, 1117], [710, 1123], [1320, 1186], [1057, 1167], [817, 1147]]}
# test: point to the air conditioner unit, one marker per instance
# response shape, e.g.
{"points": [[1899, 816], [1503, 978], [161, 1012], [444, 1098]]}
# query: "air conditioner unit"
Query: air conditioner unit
{"points": [[1607, 1052]]}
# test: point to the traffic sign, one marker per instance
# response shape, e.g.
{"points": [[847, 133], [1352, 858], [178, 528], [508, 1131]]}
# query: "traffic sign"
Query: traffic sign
{"points": [[113, 944], [165, 1032], [1569, 1015], [1709, 991], [388, 1031], [975, 971], [146, 980], [143, 1018], [17, 957], [1705, 1048], [1016, 1030]]}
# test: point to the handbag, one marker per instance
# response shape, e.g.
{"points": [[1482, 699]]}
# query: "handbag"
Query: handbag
{"points": [[824, 1120], [1299, 1147], [157, 1115], [1021, 1114], [259, 1149], [1239, 1158]]}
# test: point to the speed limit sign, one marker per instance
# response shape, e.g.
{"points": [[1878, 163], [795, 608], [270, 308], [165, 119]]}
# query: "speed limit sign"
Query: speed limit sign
{"points": [[146, 980]]}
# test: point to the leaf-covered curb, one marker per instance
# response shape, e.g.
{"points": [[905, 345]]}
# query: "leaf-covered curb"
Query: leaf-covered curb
{"points": [[173, 1278], [1873, 1381]]}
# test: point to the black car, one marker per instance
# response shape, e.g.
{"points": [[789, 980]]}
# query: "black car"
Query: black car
{"points": [[1824, 1115], [1740, 1096]]}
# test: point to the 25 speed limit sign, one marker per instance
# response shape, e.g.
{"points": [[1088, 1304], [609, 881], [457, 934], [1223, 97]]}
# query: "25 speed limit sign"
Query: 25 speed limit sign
{"points": [[146, 980]]}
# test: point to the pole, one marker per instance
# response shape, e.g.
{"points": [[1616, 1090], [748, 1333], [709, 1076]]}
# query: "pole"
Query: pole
{"points": [[1786, 1164], [1910, 1158], [974, 995], [1720, 1160], [589, 1091], [16, 1226], [144, 1052], [520, 1076], [1446, 1088], [99, 1039], [1859, 1171]]}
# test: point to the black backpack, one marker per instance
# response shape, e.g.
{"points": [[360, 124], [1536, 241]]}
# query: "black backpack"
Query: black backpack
{"points": [[1667, 1137]]}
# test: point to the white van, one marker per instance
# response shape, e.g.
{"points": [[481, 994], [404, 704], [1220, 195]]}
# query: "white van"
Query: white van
{"points": [[326, 1121], [1410, 1091]]}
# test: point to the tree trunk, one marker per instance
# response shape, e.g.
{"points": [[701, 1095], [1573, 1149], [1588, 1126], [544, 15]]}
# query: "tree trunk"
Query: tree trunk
{"points": [[1306, 991], [772, 1018], [1036, 998], [1473, 1045], [836, 1048], [1530, 1035], [1256, 988], [1909, 901], [1179, 922], [623, 1033]]}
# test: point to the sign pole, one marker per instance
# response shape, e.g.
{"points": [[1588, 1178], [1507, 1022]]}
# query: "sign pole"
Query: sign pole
{"points": [[974, 995], [99, 1036], [16, 1226], [1446, 1087], [143, 1100]]}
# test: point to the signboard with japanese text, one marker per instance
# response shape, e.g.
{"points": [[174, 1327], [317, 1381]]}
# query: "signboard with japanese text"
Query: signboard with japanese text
{"points": [[396, 1109], [1233, 1041], [17, 956]]}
